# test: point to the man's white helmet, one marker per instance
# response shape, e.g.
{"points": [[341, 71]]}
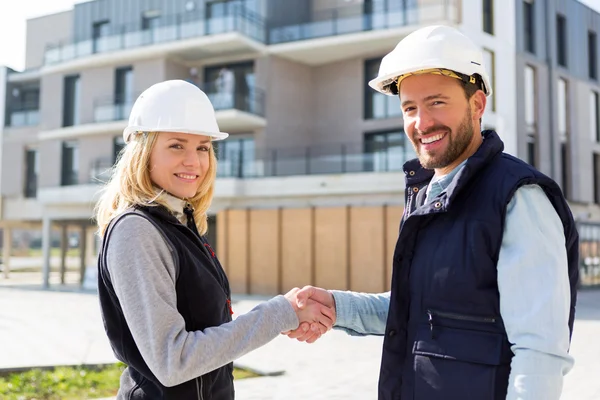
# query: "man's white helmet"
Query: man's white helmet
{"points": [[173, 106], [434, 49]]}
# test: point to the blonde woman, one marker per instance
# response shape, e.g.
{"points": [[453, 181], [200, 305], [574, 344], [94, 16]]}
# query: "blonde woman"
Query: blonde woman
{"points": [[165, 299]]}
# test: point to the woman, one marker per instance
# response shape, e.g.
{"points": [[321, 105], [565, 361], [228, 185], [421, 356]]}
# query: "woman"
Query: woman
{"points": [[165, 299]]}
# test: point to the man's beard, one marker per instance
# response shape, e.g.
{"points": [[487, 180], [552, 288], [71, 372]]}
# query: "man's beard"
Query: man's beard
{"points": [[457, 144]]}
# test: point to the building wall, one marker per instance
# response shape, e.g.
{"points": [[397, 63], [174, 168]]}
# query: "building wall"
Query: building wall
{"points": [[49, 29], [579, 20], [270, 251]]}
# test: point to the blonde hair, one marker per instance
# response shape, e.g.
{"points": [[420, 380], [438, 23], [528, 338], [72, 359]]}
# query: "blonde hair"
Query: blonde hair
{"points": [[130, 185]]}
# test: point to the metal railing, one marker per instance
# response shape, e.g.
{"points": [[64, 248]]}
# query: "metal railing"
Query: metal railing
{"points": [[360, 18], [249, 98], [170, 28], [23, 118], [312, 160], [113, 108]]}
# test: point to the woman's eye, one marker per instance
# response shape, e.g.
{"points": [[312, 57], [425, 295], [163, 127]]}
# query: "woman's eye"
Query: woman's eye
{"points": [[176, 146], [203, 148]]}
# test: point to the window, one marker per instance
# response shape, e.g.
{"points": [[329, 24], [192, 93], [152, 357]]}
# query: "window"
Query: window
{"points": [[32, 165], [100, 30], [561, 40], [595, 116], [71, 101], [596, 175], [378, 105], [123, 92], [232, 86], [70, 163], [563, 134], [118, 145], [488, 16], [490, 63], [531, 113], [150, 20], [592, 55], [236, 157], [387, 151], [529, 25]]}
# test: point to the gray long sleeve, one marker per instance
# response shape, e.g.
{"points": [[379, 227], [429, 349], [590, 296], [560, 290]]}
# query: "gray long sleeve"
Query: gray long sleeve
{"points": [[143, 274]]}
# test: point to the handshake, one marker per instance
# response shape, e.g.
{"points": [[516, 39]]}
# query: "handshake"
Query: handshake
{"points": [[315, 308]]}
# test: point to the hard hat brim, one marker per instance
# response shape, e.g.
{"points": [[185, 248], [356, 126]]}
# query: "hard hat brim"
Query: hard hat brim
{"points": [[131, 131]]}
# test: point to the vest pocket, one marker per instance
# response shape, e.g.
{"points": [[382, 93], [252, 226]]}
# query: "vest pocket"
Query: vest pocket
{"points": [[457, 364]]}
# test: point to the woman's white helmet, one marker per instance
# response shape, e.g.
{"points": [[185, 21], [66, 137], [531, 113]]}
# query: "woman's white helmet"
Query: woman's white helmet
{"points": [[173, 106], [433, 49]]}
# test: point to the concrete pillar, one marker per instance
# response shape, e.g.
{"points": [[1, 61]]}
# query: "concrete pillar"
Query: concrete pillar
{"points": [[82, 253], [46, 245], [6, 251], [64, 247]]}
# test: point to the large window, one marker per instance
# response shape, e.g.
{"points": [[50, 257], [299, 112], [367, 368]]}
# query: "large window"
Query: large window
{"points": [[592, 55], [531, 114], [70, 163], [529, 25], [563, 131], [490, 64], [100, 30], [232, 86], [488, 16], [378, 105], [71, 99], [32, 165], [561, 40], [236, 157], [387, 151], [596, 175], [595, 116], [123, 92], [118, 145]]}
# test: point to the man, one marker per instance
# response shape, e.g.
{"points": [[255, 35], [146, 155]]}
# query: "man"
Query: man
{"points": [[484, 276]]}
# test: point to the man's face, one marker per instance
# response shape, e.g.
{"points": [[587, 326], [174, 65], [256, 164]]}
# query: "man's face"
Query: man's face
{"points": [[437, 118]]}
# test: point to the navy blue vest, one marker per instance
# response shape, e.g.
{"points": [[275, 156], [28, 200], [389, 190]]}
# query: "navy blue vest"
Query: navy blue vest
{"points": [[445, 338], [203, 299]]}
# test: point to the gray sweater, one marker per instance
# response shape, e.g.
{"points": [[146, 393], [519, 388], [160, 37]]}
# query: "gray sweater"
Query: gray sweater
{"points": [[143, 275]]}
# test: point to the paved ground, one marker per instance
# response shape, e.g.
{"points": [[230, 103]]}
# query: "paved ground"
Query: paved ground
{"points": [[63, 326]]}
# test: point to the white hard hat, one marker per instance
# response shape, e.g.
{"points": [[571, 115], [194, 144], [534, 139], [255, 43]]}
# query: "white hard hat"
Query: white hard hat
{"points": [[434, 49], [173, 106]]}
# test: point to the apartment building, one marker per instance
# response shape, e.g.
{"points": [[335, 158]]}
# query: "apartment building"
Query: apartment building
{"points": [[310, 187]]}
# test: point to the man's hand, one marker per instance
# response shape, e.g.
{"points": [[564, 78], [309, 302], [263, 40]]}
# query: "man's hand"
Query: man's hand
{"points": [[310, 332]]}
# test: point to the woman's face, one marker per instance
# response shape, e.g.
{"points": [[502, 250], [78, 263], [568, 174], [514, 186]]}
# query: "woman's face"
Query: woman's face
{"points": [[179, 162]]}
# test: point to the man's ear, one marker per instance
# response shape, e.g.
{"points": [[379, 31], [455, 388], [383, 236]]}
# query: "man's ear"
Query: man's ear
{"points": [[478, 102]]}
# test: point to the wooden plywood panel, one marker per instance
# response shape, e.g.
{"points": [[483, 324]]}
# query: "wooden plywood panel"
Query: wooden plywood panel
{"points": [[331, 248], [237, 250], [296, 248], [393, 215], [367, 249], [221, 244], [264, 252]]}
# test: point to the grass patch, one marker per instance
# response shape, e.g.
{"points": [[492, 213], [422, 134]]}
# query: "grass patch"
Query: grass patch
{"points": [[70, 383]]}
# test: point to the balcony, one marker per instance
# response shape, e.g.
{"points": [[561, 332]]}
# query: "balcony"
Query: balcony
{"points": [[24, 117], [190, 36], [112, 108], [346, 31], [313, 160]]}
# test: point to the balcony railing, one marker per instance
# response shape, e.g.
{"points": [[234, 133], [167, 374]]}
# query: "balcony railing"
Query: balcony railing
{"points": [[312, 160], [589, 254], [113, 108], [250, 99], [360, 18], [20, 118], [171, 28]]}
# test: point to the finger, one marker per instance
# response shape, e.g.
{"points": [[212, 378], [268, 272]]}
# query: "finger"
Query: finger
{"points": [[324, 319], [300, 331], [328, 312], [313, 338], [307, 336]]}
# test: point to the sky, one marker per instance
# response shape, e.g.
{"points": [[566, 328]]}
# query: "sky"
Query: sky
{"points": [[13, 17]]}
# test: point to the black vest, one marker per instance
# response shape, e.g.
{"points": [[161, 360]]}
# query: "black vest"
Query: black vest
{"points": [[203, 299], [445, 338]]}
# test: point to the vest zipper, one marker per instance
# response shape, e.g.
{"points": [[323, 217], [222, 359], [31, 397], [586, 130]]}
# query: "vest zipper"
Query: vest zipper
{"points": [[460, 317], [199, 389]]}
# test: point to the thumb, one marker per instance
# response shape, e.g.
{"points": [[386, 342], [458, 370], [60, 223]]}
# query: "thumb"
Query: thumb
{"points": [[303, 295]]}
